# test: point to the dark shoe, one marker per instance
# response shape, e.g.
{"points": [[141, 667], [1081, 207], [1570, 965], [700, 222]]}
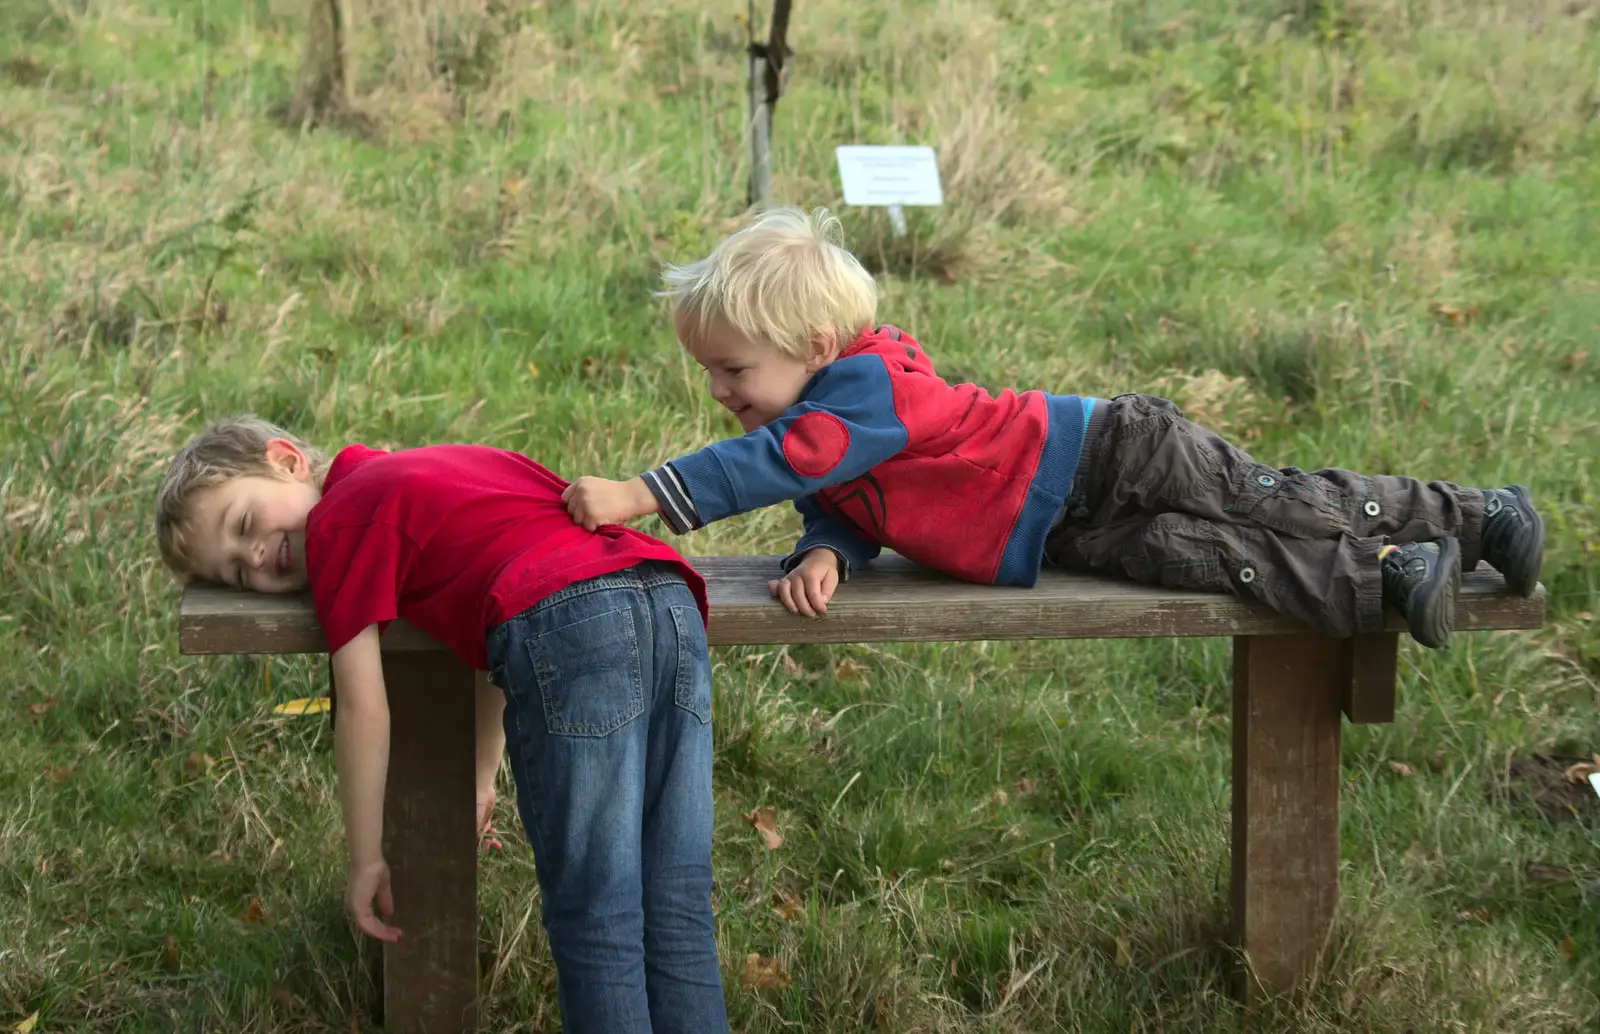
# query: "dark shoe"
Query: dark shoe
{"points": [[1513, 537], [1421, 578]]}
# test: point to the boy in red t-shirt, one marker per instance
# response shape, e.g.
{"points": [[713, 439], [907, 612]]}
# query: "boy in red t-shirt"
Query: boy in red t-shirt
{"points": [[597, 639]]}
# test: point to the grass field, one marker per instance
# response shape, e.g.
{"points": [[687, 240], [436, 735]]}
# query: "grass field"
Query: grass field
{"points": [[1361, 233]]}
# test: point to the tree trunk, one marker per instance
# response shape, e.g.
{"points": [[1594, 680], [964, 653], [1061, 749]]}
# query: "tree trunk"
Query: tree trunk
{"points": [[321, 89]]}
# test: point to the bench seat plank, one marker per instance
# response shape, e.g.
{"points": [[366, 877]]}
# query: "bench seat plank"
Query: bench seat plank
{"points": [[893, 601]]}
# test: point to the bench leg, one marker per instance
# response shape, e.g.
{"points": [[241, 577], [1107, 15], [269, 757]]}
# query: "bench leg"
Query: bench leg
{"points": [[1372, 663], [430, 976], [1287, 692]]}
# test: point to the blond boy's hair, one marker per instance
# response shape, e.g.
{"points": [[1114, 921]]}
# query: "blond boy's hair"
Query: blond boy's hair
{"points": [[233, 447], [785, 279]]}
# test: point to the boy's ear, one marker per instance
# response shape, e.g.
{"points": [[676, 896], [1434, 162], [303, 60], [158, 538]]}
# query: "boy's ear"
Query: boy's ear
{"points": [[824, 349], [287, 459]]}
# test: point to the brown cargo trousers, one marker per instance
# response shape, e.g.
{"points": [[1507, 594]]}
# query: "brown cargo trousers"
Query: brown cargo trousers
{"points": [[1163, 501]]}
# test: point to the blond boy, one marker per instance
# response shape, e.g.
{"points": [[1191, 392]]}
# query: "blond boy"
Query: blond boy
{"points": [[850, 421]]}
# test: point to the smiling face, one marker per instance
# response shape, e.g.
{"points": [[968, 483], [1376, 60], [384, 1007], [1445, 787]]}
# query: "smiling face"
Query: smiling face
{"points": [[753, 379], [249, 532]]}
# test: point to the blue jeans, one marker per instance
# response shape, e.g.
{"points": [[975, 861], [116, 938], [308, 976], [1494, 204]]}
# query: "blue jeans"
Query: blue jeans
{"points": [[608, 727]]}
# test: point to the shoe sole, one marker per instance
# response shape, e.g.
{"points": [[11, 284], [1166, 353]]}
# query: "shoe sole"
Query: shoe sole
{"points": [[1433, 610], [1527, 555]]}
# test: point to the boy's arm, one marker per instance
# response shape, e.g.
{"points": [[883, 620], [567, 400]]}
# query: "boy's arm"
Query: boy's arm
{"points": [[361, 754], [846, 426], [491, 746], [825, 531]]}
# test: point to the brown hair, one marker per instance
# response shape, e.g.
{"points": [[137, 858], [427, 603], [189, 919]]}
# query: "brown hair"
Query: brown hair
{"points": [[233, 447]]}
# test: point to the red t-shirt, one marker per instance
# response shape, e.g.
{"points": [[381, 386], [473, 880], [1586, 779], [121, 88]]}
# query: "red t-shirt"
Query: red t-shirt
{"points": [[454, 539]]}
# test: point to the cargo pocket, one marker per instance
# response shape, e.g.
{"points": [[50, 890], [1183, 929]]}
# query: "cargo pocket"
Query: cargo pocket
{"points": [[1288, 501]]}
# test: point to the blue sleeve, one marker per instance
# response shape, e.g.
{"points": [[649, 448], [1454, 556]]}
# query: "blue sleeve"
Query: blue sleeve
{"points": [[825, 530], [741, 474]]}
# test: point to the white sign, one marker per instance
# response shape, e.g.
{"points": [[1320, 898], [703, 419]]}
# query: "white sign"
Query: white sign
{"points": [[892, 176]]}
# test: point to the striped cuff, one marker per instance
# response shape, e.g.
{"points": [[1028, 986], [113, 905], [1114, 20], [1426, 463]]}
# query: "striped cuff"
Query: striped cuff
{"points": [[677, 509]]}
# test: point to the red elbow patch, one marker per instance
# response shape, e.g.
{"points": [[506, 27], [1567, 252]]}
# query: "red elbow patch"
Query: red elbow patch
{"points": [[815, 444]]}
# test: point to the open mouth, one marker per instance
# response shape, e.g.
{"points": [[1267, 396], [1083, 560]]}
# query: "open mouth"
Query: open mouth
{"points": [[283, 557]]}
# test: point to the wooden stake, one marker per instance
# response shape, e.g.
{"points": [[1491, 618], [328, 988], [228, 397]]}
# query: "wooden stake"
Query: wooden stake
{"points": [[765, 85]]}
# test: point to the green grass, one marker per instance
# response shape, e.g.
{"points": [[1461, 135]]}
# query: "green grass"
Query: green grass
{"points": [[1266, 210]]}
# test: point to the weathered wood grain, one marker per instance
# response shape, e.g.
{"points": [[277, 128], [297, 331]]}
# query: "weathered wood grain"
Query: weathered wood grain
{"points": [[893, 601], [1371, 671], [430, 975], [1286, 730]]}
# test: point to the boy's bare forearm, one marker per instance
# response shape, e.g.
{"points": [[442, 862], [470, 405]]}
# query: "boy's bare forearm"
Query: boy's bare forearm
{"points": [[491, 738], [361, 745]]}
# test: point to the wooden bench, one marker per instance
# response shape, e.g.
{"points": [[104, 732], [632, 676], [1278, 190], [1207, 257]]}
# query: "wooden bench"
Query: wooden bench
{"points": [[1290, 687]]}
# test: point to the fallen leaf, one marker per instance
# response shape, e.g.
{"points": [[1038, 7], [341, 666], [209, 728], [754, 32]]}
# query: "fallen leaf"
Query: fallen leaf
{"points": [[1455, 315], [1124, 952], [761, 974], [792, 667], [848, 670], [787, 906], [197, 764], [58, 773], [305, 705], [28, 1024], [169, 952], [253, 913], [1473, 915], [765, 824], [1023, 787], [38, 708], [1545, 872], [1569, 948], [283, 996], [1402, 769], [1436, 762]]}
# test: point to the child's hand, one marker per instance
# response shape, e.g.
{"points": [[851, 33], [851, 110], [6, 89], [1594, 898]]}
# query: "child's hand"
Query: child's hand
{"points": [[487, 840], [365, 883], [596, 501], [808, 588]]}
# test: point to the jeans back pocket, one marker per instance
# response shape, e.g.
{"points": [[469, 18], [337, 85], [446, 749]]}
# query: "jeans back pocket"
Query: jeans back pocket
{"points": [[588, 672], [693, 690]]}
